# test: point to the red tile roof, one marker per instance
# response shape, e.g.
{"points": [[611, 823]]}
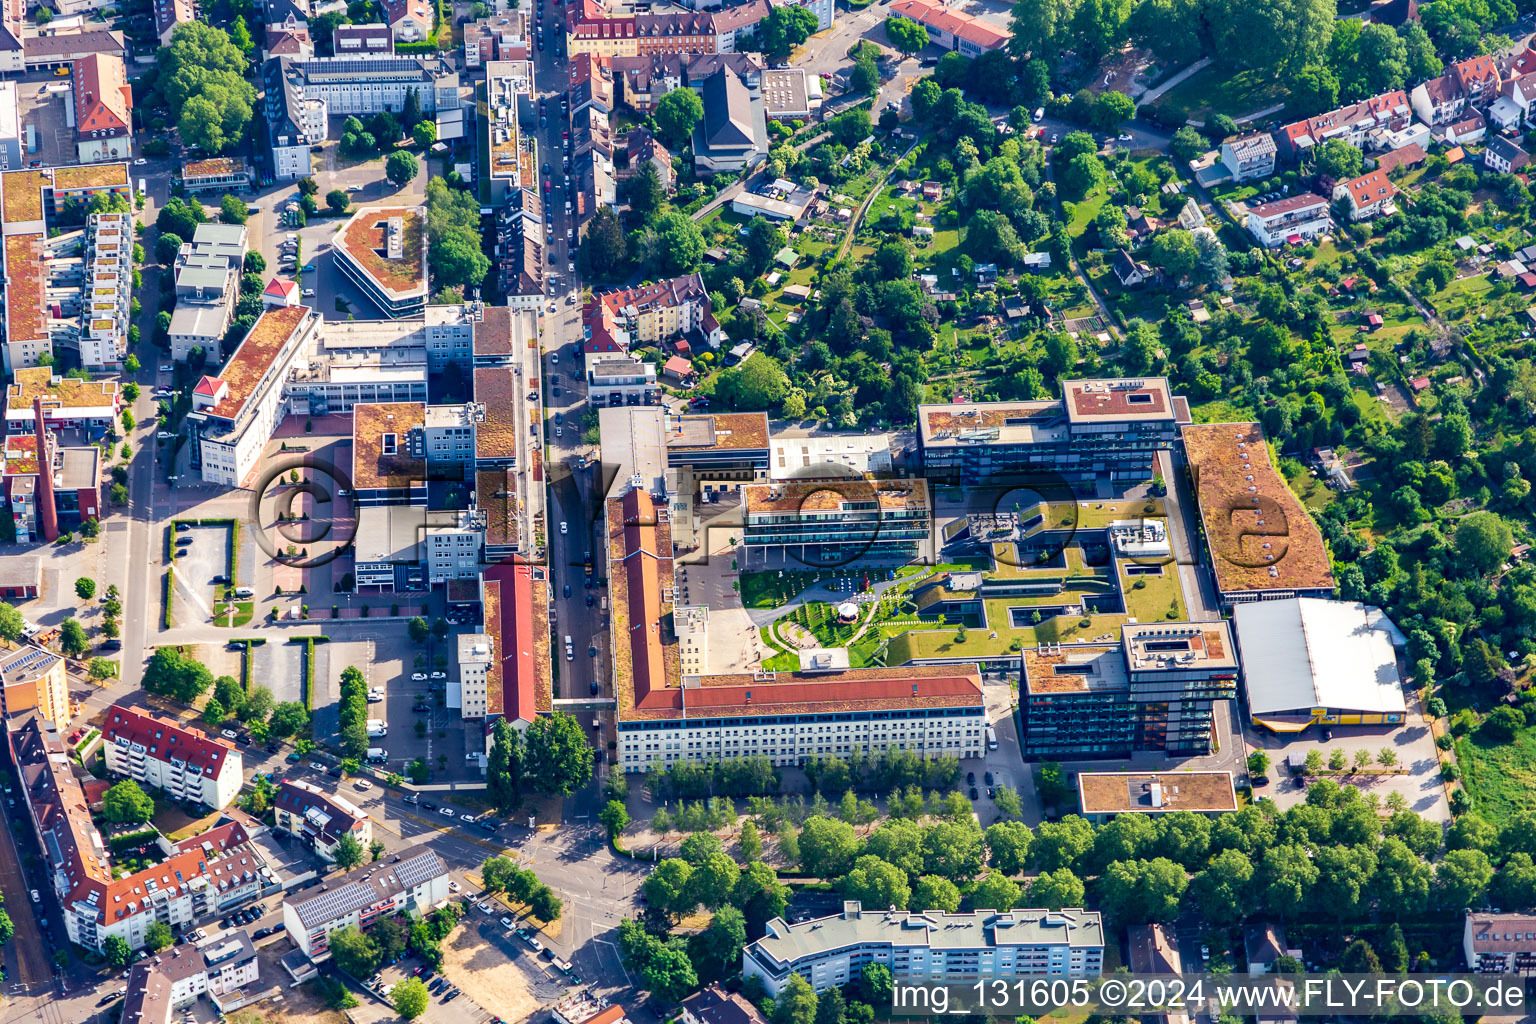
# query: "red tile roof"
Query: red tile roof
{"points": [[1370, 188], [515, 641], [103, 100], [163, 739], [960, 25]]}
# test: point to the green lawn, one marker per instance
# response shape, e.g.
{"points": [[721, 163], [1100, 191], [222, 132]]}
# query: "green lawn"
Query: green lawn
{"points": [[1216, 90], [1148, 598], [1501, 777]]}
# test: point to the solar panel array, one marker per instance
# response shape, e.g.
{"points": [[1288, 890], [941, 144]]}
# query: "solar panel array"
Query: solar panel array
{"points": [[368, 885]]}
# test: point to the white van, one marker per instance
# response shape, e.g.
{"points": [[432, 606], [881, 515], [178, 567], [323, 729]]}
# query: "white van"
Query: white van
{"points": [[377, 755], [244, 592], [377, 727], [570, 649]]}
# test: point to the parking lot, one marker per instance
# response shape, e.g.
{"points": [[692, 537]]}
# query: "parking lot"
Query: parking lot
{"points": [[280, 667], [1413, 744], [202, 553]]}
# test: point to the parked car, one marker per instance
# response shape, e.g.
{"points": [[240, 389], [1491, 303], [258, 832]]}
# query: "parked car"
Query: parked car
{"points": [[446, 812]]}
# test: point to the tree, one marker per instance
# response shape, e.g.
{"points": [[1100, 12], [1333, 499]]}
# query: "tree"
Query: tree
{"points": [[12, 622], [1084, 173], [354, 952], [1258, 763], [1174, 252], [503, 773], [604, 248], [117, 951], [996, 892], [338, 201], [874, 883], [127, 804], [85, 588], [1112, 109], [725, 937], [827, 846], [1061, 843], [677, 242], [676, 115], [1483, 541], [784, 29], [166, 248], [409, 998], [257, 706], [1187, 144], [348, 852], [906, 35], [864, 77], [401, 167], [1339, 160], [1142, 891], [669, 973], [796, 1003], [420, 632], [232, 210], [1054, 890], [72, 637], [557, 759], [1286, 876], [453, 234], [756, 383], [288, 719], [1461, 879], [213, 711], [1008, 846], [201, 74], [172, 674], [935, 893], [749, 842], [158, 936], [424, 134], [1222, 890]]}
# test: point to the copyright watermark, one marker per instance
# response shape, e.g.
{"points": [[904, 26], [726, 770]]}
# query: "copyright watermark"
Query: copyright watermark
{"points": [[304, 511]]}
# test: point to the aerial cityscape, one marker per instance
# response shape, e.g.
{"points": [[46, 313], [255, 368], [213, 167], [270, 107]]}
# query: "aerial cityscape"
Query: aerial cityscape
{"points": [[622, 511]]}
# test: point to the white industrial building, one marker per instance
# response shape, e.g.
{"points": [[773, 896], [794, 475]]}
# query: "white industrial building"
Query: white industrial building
{"points": [[1309, 661], [929, 948]]}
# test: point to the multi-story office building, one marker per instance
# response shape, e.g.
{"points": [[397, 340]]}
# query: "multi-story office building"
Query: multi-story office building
{"points": [[829, 522], [1262, 542], [447, 438], [622, 380], [383, 250], [931, 948], [233, 414], [454, 542], [1155, 690], [320, 818], [89, 406], [1100, 430], [221, 174], [415, 880], [477, 660], [32, 679], [202, 875], [301, 96], [386, 469], [721, 450], [184, 763], [220, 967]]}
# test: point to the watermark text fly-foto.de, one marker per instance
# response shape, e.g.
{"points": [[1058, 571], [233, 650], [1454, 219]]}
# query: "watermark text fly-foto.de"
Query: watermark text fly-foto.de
{"points": [[1302, 995]]}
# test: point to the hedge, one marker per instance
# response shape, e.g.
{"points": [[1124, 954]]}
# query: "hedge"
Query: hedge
{"points": [[170, 588]]}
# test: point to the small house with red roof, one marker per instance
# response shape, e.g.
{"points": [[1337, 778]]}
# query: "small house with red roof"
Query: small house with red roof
{"points": [[157, 752], [1369, 195], [1419, 384], [678, 369], [280, 293]]}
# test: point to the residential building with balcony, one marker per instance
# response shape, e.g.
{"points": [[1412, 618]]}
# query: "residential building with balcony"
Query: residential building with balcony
{"points": [[932, 948], [1368, 196], [1249, 156], [1467, 85], [185, 763], [203, 875], [320, 818], [414, 880], [1289, 221], [1499, 943], [1353, 123], [107, 294], [173, 979]]}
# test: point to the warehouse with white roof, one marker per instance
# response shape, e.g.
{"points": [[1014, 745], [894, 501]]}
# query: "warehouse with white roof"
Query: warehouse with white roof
{"points": [[1308, 661]]}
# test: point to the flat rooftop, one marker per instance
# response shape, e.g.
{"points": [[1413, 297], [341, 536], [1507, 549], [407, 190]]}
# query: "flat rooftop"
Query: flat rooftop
{"points": [[1115, 401], [499, 389], [1078, 668], [1156, 792], [1175, 646], [64, 393], [745, 430], [960, 423], [836, 495], [1260, 536], [381, 457], [401, 274]]}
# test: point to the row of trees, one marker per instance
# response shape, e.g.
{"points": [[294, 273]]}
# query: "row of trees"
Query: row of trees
{"points": [[501, 874], [453, 236], [551, 756], [359, 953], [352, 714]]}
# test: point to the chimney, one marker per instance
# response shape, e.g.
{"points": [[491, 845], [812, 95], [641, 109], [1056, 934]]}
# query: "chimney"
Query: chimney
{"points": [[47, 509]]}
